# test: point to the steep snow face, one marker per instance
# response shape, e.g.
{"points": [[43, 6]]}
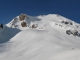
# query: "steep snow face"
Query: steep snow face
{"points": [[7, 33], [48, 41]]}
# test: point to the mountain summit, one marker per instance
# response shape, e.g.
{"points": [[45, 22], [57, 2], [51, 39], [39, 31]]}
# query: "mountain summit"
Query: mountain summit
{"points": [[25, 21], [22, 21], [44, 37]]}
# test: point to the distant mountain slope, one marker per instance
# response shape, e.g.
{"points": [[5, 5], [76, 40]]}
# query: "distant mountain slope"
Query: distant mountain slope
{"points": [[42, 21]]}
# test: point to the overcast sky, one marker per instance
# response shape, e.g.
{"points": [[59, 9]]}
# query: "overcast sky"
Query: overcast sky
{"points": [[12, 8]]}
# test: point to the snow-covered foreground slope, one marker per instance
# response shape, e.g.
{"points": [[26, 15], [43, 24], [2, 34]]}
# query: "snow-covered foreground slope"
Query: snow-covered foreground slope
{"points": [[48, 41], [42, 45]]}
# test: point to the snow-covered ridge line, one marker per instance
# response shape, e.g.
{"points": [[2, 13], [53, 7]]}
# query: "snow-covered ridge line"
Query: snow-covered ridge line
{"points": [[45, 22], [41, 21]]}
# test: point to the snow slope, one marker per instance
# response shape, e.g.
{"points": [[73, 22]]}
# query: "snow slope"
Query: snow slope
{"points": [[7, 33], [48, 41]]}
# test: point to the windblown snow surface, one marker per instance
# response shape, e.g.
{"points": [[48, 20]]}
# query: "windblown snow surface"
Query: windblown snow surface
{"points": [[48, 41]]}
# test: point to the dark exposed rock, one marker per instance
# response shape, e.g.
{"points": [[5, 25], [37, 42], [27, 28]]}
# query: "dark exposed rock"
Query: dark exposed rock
{"points": [[34, 26], [1, 26], [22, 17], [23, 24], [73, 32], [67, 22]]}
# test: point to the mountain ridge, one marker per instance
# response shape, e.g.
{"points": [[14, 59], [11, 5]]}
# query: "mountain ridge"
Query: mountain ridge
{"points": [[55, 18], [42, 37]]}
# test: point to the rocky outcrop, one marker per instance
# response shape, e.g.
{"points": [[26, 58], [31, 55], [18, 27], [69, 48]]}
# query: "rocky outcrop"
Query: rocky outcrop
{"points": [[23, 24], [67, 22], [22, 17], [34, 26], [73, 32]]}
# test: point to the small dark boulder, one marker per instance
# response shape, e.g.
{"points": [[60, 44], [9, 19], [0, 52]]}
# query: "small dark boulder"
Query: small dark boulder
{"points": [[68, 32], [1, 26]]}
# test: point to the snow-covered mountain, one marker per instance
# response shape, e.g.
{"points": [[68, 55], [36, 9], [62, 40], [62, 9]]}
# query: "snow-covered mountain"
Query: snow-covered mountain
{"points": [[43, 37], [51, 20]]}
